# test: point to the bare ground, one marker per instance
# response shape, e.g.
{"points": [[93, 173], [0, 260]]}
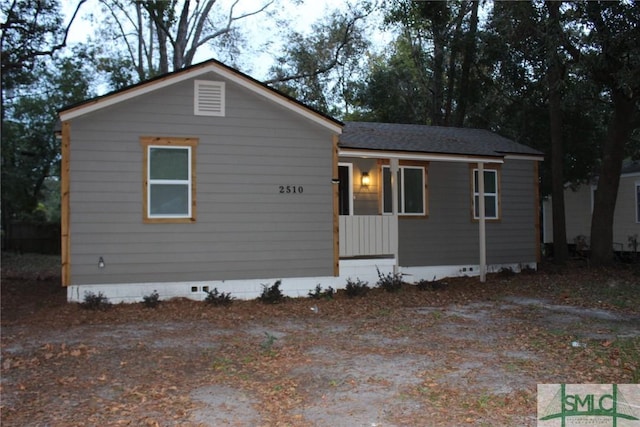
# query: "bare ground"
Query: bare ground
{"points": [[463, 354]]}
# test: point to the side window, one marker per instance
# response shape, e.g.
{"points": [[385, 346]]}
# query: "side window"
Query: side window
{"points": [[491, 194], [412, 197], [169, 179]]}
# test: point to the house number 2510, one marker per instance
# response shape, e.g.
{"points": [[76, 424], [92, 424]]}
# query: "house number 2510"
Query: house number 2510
{"points": [[291, 189]]}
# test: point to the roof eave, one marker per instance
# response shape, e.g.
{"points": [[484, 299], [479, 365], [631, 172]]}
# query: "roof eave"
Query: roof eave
{"points": [[414, 155]]}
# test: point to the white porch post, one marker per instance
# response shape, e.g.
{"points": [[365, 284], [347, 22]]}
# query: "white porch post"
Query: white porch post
{"points": [[481, 224], [393, 166]]}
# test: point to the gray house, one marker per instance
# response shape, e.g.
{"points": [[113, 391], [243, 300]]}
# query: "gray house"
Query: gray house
{"points": [[205, 178]]}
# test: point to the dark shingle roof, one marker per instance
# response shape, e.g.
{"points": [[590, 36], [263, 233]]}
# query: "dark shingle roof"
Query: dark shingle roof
{"points": [[429, 139]]}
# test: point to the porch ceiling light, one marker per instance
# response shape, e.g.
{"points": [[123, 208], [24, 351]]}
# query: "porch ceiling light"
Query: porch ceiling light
{"points": [[365, 180], [101, 262]]}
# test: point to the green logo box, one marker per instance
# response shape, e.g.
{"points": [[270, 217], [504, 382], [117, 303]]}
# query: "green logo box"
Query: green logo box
{"points": [[601, 405]]}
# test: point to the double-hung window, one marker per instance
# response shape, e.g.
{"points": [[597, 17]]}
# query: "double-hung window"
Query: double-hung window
{"points": [[169, 179], [491, 194], [412, 197]]}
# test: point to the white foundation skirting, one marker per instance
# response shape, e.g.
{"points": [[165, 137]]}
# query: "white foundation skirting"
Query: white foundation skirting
{"points": [[365, 270]]}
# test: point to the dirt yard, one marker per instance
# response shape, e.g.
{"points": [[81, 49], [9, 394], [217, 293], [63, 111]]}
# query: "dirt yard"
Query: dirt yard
{"points": [[461, 353]]}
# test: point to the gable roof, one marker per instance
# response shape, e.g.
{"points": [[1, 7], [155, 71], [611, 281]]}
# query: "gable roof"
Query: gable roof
{"points": [[430, 139], [212, 65]]}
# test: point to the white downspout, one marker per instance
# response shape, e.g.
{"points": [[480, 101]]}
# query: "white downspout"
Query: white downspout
{"points": [[481, 224], [393, 166]]}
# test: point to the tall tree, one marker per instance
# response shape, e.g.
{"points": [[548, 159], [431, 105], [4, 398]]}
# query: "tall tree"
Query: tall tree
{"points": [[159, 36], [555, 78], [396, 89], [324, 67], [30, 149], [33, 31], [444, 38], [469, 48], [613, 62]]}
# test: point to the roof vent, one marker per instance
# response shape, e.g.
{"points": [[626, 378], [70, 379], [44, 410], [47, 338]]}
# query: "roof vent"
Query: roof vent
{"points": [[209, 98]]}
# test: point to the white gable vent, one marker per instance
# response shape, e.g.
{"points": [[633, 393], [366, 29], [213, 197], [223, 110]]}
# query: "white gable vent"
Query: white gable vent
{"points": [[209, 98]]}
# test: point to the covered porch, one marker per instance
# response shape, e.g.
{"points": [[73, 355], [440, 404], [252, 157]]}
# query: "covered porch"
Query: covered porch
{"points": [[379, 189]]}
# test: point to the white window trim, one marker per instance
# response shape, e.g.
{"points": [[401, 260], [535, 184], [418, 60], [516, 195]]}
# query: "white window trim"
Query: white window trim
{"points": [[401, 169], [199, 85], [188, 182], [486, 193]]}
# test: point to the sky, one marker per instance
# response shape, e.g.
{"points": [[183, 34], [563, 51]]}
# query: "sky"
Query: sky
{"points": [[257, 29]]}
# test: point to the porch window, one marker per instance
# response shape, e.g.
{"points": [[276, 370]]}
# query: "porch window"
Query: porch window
{"points": [[491, 194], [169, 179], [411, 190]]}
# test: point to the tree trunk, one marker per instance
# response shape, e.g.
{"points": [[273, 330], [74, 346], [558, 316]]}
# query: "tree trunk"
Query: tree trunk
{"points": [[618, 133], [453, 60], [555, 74], [469, 50], [438, 80], [181, 38]]}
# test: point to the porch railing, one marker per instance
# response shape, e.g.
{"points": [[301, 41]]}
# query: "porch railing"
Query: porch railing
{"points": [[368, 235]]}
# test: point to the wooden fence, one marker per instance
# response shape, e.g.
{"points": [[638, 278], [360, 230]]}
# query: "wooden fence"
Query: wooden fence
{"points": [[27, 237]]}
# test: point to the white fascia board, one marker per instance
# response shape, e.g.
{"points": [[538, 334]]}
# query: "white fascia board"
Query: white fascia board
{"points": [[125, 95], [524, 157], [418, 156], [280, 100], [195, 72]]}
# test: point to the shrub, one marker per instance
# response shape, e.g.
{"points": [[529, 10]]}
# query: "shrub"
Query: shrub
{"points": [[357, 288], [506, 272], [272, 294], [218, 298], [318, 293], [152, 300], [633, 242], [95, 302], [268, 342], [431, 285], [425, 285], [390, 282]]}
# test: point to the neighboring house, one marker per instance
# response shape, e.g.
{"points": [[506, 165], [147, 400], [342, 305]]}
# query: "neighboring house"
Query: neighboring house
{"points": [[205, 178], [578, 202]]}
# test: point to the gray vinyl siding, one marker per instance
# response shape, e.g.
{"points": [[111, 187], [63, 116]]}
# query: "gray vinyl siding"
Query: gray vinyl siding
{"points": [[449, 237], [244, 229]]}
